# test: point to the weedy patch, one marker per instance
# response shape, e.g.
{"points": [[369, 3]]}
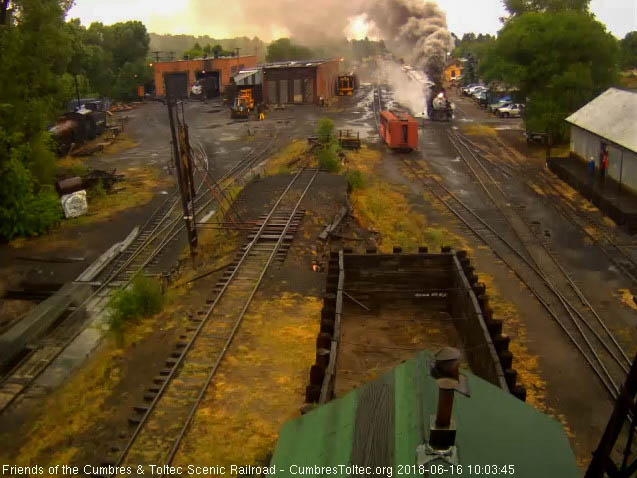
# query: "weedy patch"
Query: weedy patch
{"points": [[142, 299], [384, 209], [55, 433], [479, 130], [290, 158], [137, 189], [260, 384], [119, 144]]}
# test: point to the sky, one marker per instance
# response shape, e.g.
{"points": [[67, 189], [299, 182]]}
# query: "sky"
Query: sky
{"points": [[168, 16]]}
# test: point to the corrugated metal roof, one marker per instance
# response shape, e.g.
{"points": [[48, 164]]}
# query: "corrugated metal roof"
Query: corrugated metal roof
{"points": [[295, 63], [383, 422], [612, 115], [242, 75]]}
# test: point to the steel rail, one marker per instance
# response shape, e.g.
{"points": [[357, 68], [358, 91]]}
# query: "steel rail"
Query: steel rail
{"points": [[246, 162], [213, 371], [200, 327], [625, 363], [612, 389]]}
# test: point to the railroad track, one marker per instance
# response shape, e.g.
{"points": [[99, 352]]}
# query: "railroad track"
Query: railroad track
{"points": [[505, 232], [162, 227], [163, 421], [598, 233]]}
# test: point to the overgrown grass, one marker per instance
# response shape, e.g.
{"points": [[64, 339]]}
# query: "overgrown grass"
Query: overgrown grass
{"points": [[479, 130], [355, 179], [97, 191], [138, 188], [281, 161], [142, 299], [259, 385], [69, 167], [56, 432]]}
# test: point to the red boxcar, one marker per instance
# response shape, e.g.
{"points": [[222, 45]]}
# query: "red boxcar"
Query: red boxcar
{"points": [[399, 131]]}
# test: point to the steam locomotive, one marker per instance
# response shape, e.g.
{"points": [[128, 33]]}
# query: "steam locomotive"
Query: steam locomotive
{"points": [[439, 108]]}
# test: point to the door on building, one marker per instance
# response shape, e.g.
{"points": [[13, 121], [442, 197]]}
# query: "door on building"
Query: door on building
{"points": [[283, 91], [273, 98], [308, 90], [176, 85], [209, 81], [298, 92]]}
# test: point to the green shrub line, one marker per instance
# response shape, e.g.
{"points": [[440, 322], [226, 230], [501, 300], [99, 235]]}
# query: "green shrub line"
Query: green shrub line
{"points": [[142, 299]]}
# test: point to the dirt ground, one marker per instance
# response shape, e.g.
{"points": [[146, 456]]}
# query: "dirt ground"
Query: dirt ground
{"points": [[374, 342]]}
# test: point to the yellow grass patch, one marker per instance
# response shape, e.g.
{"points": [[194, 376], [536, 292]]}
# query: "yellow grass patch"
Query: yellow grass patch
{"points": [[383, 208], [138, 189], [119, 144], [364, 160], [626, 298], [259, 386], [479, 130], [297, 149], [538, 190]]}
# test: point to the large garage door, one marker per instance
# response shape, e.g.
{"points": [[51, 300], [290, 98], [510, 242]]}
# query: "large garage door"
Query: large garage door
{"points": [[283, 91], [308, 90], [298, 92], [272, 96], [176, 85]]}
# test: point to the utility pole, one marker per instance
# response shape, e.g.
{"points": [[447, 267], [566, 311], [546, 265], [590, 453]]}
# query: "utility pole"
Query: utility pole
{"points": [[184, 176]]}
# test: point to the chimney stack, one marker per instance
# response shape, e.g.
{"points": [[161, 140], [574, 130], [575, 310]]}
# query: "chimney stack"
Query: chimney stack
{"points": [[446, 371]]}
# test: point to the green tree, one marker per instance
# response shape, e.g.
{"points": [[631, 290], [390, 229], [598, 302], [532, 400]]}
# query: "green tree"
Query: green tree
{"points": [[518, 7], [284, 49], [628, 51], [35, 49], [112, 58], [559, 61]]}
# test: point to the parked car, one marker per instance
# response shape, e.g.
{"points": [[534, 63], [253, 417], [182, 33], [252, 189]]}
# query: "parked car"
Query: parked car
{"points": [[493, 107], [536, 138], [514, 110], [481, 98], [477, 89], [465, 89]]}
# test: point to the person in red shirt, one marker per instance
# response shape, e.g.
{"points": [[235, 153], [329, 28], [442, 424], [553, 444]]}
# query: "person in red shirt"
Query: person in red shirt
{"points": [[603, 165]]}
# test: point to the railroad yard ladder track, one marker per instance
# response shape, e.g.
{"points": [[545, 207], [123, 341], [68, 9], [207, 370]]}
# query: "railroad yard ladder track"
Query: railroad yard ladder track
{"points": [[510, 238], [179, 390], [560, 274], [601, 235], [511, 249], [162, 227]]}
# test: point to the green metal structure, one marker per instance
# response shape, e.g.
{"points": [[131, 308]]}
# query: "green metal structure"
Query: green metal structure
{"points": [[376, 429]]}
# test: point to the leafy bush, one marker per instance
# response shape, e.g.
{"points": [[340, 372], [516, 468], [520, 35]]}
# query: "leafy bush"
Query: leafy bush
{"points": [[328, 159], [142, 299], [23, 210], [355, 180], [324, 130]]}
